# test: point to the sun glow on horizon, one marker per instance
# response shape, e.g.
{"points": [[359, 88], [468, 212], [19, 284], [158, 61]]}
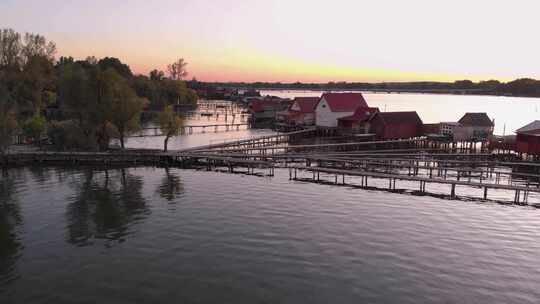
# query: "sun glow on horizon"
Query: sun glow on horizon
{"points": [[301, 40]]}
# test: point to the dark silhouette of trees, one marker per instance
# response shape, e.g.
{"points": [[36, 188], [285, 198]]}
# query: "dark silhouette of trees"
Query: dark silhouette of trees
{"points": [[522, 87], [156, 75], [115, 64], [96, 99], [100, 101], [177, 70], [8, 121]]}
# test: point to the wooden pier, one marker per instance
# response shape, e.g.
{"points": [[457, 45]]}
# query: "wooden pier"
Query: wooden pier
{"points": [[261, 141], [191, 129], [520, 197], [285, 147], [413, 160]]}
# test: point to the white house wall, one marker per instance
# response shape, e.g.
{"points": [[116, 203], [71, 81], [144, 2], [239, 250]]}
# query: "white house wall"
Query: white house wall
{"points": [[324, 117]]}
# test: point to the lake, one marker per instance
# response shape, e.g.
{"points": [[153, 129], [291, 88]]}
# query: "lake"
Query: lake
{"points": [[155, 235], [149, 235]]}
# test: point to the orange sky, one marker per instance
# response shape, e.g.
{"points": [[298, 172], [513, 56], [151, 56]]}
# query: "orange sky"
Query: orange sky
{"points": [[296, 40]]}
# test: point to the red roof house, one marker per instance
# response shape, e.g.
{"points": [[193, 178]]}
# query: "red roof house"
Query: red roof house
{"points": [[302, 111], [528, 138], [476, 126], [396, 125], [333, 106], [357, 121], [267, 107]]}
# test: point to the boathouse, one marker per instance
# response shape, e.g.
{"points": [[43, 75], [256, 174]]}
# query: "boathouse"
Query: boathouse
{"points": [[528, 139], [396, 125], [357, 123], [301, 112], [266, 108], [333, 106], [455, 131], [475, 126]]}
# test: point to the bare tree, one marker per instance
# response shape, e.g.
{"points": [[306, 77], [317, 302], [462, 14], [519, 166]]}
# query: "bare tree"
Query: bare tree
{"points": [[177, 70], [37, 46], [10, 48]]}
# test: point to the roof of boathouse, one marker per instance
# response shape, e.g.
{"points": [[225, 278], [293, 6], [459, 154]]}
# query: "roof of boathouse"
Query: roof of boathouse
{"points": [[305, 104], [531, 129], [396, 118], [361, 114], [476, 120], [344, 102], [265, 103]]}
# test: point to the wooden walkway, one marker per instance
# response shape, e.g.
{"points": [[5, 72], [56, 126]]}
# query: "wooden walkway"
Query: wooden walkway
{"points": [[128, 158], [412, 160], [423, 181], [285, 147], [190, 129], [260, 141]]}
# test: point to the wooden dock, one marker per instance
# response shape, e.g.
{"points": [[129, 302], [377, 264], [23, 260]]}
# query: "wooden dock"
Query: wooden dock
{"points": [[521, 193], [413, 160], [285, 147], [191, 129], [260, 141]]}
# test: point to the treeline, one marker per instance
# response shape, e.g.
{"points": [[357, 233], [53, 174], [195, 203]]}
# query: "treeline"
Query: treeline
{"points": [[91, 100], [524, 87]]}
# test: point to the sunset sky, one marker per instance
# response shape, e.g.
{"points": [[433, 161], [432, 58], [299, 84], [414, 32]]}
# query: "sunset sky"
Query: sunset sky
{"points": [[296, 40]]}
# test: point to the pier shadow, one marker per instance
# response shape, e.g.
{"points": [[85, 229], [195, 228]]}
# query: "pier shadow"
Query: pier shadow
{"points": [[106, 203]]}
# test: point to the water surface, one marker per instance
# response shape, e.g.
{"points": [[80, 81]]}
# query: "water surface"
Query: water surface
{"points": [[150, 235]]}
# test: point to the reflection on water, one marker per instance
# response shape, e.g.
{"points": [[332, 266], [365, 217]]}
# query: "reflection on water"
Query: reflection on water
{"points": [[171, 186], [104, 205], [149, 235], [10, 220]]}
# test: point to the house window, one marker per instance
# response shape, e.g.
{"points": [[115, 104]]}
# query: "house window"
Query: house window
{"points": [[324, 106]]}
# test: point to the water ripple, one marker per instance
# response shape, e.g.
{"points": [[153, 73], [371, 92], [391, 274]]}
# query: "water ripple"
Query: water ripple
{"points": [[151, 235]]}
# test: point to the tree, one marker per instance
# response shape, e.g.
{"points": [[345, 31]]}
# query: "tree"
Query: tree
{"points": [[156, 75], [76, 99], [170, 124], [115, 64], [8, 122], [38, 77], [125, 109], [10, 48], [34, 128], [26, 68], [37, 46], [177, 70]]}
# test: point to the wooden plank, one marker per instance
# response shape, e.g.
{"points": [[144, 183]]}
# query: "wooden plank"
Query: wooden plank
{"points": [[415, 178]]}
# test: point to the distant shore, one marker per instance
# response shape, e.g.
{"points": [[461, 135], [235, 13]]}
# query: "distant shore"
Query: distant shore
{"points": [[524, 87]]}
